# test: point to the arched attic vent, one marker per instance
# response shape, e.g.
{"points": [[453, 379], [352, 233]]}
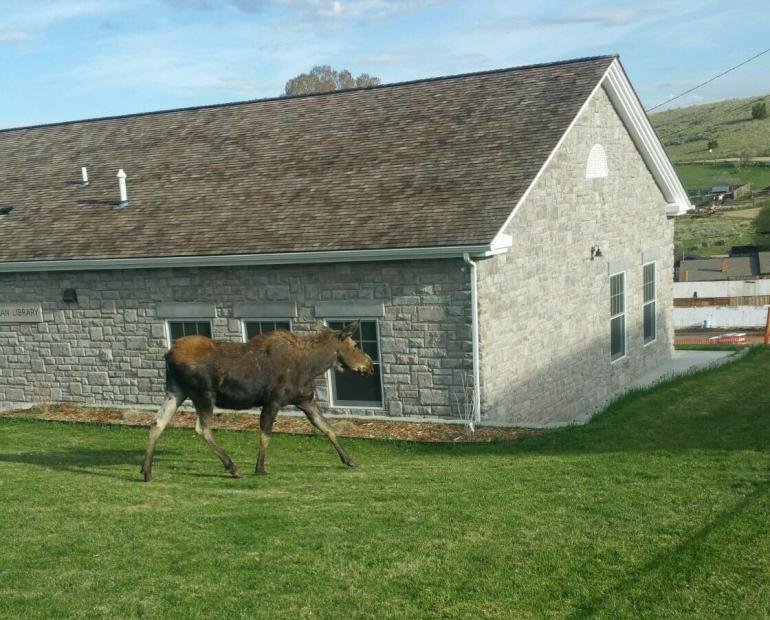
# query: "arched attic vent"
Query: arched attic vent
{"points": [[596, 167]]}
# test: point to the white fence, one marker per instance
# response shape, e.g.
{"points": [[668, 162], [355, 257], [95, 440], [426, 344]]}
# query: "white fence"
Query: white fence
{"points": [[720, 316], [722, 288]]}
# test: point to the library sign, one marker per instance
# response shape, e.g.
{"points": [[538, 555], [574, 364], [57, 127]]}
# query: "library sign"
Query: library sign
{"points": [[21, 313]]}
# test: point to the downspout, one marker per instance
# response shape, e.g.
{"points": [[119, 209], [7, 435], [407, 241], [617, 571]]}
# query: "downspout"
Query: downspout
{"points": [[475, 338]]}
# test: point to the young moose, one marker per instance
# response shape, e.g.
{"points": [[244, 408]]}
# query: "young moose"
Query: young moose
{"points": [[272, 370]]}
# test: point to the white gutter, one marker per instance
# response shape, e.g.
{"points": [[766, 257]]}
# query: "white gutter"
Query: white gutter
{"points": [[475, 337], [236, 260]]}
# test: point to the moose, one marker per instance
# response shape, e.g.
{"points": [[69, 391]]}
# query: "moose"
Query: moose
{"points": [[272, 370]]}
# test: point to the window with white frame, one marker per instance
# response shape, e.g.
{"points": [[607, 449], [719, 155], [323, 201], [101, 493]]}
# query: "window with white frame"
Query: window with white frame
{"points": [[649, 303], [263, 326], [617, 316], [350, 389], [177, 329]]}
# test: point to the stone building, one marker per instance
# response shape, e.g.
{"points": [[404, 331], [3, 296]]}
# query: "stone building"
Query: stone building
{"points": [[508, 231]]}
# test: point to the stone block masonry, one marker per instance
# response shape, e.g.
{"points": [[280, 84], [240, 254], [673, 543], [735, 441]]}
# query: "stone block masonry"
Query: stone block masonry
{"points": [[108, 348], [544, 310]]}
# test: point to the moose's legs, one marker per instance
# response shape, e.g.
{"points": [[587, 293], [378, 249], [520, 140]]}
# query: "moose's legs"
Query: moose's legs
{"points": [[162, 418], [204, 407], [266, 420], [313, 413]]}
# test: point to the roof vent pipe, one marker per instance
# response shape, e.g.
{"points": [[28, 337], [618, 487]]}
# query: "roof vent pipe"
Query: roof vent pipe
{"points": [[84, 177], [122, 186]]}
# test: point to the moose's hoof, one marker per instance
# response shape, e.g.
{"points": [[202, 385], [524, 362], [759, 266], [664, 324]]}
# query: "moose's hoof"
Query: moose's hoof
{"points": [[235, 472], [350, 463], [260, 472], [147, 474]]}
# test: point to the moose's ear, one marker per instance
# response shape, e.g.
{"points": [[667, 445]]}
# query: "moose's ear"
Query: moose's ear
{"points": [[350, 330]]}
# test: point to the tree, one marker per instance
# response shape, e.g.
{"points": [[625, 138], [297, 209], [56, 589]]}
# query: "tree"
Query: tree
{"points": [[759, 111], [324, 79]]}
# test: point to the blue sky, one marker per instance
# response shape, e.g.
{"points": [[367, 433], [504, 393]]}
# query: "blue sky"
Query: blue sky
{"points": [[68, 59]]}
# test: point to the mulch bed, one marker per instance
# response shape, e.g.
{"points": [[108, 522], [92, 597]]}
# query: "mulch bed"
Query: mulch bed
{"points": [[344, 427]]}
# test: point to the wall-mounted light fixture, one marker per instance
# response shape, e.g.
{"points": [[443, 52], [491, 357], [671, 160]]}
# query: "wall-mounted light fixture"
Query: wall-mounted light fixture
{"points": [[595, 252], [70, 296]]}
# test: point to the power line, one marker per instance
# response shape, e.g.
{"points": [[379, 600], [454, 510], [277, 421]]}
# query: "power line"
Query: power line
{"points": [[687, 92]]}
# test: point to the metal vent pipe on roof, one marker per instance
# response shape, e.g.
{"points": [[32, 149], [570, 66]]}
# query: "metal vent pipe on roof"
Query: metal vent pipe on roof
{"points": [[122, 187], [84, 177]]}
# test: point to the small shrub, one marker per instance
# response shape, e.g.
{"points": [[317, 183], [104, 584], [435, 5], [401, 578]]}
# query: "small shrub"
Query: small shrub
{"points": [[712, 144], [762, 221], [759, 111]]}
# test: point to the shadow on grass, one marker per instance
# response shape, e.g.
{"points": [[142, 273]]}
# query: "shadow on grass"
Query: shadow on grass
{"points": [[81, 460], [677, 563]]}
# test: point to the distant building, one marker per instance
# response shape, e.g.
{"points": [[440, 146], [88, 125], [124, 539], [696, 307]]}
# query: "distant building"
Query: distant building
{"points": [[725, 292], [741, 267]]}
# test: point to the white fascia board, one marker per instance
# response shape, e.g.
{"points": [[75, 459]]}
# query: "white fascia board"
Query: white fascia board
{"points": [[630, 110], [239, 260], [501, 244], [556, 148]]}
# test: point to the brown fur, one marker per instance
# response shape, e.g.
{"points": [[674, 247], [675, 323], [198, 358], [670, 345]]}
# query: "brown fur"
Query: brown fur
{"points": [[273, 370]]}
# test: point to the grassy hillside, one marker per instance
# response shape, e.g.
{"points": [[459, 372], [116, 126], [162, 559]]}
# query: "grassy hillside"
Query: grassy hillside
{"points": [[685, 132]]}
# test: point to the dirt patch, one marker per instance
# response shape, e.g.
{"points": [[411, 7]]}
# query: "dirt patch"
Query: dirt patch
{"points": [[347, 427]]}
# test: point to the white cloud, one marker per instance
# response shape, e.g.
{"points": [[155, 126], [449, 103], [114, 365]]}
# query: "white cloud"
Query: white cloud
{"points": [[610, 18], [32, 18], [9, 36], [189, 62], [314, 10]]}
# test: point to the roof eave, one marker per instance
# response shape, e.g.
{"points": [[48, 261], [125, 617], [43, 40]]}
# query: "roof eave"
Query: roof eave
{"points": [[243, 260]]}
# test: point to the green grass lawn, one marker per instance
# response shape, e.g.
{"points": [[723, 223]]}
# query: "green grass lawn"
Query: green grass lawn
{"points": [[657, 508], [702, 176]]}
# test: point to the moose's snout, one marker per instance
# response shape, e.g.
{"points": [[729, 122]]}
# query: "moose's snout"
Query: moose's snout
{"points": [[366, 367]]}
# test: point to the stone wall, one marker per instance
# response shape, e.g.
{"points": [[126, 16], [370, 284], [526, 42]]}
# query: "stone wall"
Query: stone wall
{"points": [[545, 307], [108, 348]]}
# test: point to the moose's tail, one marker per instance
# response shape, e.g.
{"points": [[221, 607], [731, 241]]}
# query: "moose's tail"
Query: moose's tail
{"points": [[172, 386]]}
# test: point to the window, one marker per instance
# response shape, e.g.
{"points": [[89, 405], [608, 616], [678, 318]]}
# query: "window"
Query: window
{"points": [[649, 303], [177, 329], [596, 166], [617, 316], [348, 387], [255, 328]]}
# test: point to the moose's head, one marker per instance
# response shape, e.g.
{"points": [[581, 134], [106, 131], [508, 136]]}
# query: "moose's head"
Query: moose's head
{"points": [[349, 355]]}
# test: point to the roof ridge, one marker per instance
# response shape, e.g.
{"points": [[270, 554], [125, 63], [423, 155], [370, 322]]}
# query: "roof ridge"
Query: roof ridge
{"points": [[305, 96]]}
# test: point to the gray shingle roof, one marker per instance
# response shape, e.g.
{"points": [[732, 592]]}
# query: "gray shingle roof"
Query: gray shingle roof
{"points": [[701, 269], [427, 163]]}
